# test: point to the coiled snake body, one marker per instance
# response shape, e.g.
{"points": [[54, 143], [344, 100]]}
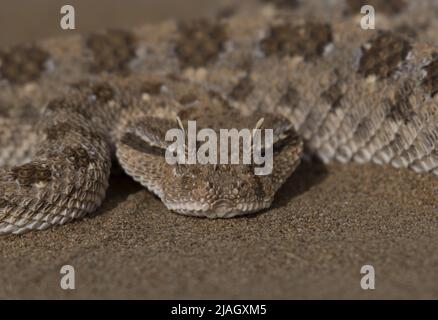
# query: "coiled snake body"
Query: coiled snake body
{"points": [[325, 86]]}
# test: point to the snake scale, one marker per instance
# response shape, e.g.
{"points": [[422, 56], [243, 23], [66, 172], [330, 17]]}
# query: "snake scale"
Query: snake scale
{"points": [[327, 88]]}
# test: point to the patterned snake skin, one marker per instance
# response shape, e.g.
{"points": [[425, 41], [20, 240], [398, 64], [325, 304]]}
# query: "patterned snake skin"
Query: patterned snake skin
{"points": [[327, 88]]}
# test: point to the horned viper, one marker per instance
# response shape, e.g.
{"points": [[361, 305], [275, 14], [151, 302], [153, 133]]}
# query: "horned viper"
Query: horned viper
{"points": [[327, 88]]}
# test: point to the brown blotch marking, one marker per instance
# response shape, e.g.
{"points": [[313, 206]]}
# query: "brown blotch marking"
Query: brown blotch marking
{"points": [[112, 51], [388, 7], [363, 128], [31, 173], [188, 99], [290, 98], [307, 40], [283, 4], [407, 31], [59, 104], [384, 55], [226, 12], [200, 42], [174, 77], [58, 131], [22, 64], [412, 31], [333, 96], [63, 104], [4, 113], [430, 82], [78, 157], [103, 92], [152, 87], [243, 89], [246, 64], [81, 85], [217, 97], [4, 203], [401, 109]]}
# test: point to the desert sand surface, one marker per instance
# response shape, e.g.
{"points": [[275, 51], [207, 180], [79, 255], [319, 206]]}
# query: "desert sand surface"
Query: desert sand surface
{"points": [[326, 222]]}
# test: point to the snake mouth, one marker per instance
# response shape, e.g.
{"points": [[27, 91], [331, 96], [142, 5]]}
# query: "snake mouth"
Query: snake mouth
{"points": [[218, 209]]}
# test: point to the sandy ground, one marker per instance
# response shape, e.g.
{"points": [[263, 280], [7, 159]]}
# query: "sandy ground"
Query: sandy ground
{"points": [[326, 223], [24, 20]]}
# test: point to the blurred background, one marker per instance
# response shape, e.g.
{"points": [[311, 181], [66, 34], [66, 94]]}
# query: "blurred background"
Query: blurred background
{"points": [[24, 20]]}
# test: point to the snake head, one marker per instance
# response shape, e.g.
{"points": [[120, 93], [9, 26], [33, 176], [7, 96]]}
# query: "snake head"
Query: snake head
{"points": [[214, 190]]}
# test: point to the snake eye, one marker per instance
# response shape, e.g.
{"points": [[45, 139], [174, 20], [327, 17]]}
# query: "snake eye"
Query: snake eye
{"points": [[240, 184]]}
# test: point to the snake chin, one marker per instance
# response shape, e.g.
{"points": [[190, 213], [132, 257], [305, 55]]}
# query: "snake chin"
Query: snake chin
{"points": [[218, 209]]}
